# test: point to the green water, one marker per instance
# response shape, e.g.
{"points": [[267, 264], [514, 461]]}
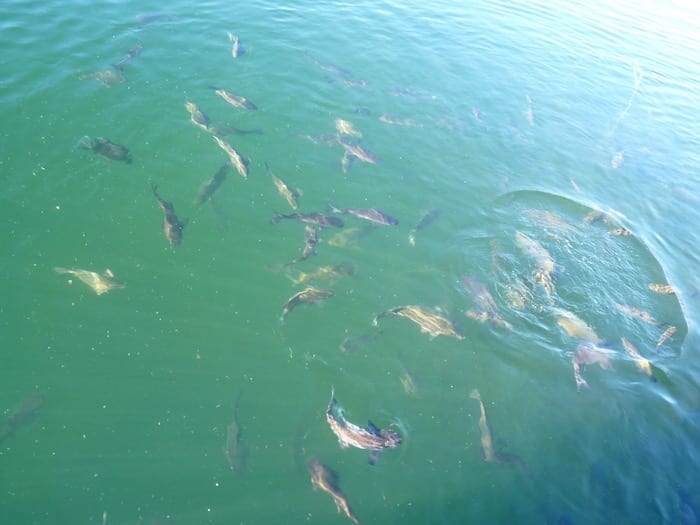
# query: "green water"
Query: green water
{"points": [[526, 117]]}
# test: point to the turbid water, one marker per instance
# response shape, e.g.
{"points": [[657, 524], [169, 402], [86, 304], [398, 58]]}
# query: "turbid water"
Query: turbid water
{"points": [[555, 151]]}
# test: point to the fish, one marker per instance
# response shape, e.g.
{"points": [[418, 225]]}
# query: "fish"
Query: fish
{"points": [[310, 241], [236, 48], [172, 226], [346, 128], [545, 270], [222, 131], [430, 322], [635, 313], [148, 18], [518, 294], [325, 479], [327, 273], [488, 448], [107, 149], [236, 159], [666, 335], [586, 354], [100, 282], [318, 219], [643, 365], [425, 219], [408, 381], [235, 450], [356, 151], [620, 232], [664, 289], [24, 413], [398, 121], [307, 295], [233, 99], [484, 300], [574, 326], [290, 195], [197, 117], [349, 237], [529, 114], [593, 216], [369, 214], [343, 73], [133, 52], [351, 344], [108, 77], [207, 190], [371, 438]]}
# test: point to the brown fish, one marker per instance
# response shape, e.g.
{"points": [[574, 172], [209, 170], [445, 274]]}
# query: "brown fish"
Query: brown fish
{"points": [[325, 479], [307, 295], [236, 159], [487, 445], [664, 289], [172, 226], [666, 335], [326, 273], [575, 326], [635, 313], [233, 99], [430, 322], [488, 310], [133, 52], [99, 282], [197, 117], [642, 364], [290, 195]]}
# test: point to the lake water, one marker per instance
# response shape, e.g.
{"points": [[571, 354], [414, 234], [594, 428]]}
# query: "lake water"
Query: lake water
{"points": [[514, 122]]}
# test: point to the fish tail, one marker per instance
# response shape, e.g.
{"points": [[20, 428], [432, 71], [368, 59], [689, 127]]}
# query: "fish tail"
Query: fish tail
{"points": [[61, 270], [334, 209], [277, 218]]}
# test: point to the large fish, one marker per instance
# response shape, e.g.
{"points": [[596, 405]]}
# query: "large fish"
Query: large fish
{"points": [[345, 127], [107, 149], [371, 438], [236, 47], [325, 479], [23, 414], [666, 335], [586, 354], [109, 77], [544, 273], [310, 241], [307, 295], [488, 310], [664, 289], [99, 282], [172, 226], [430, 322], [317, 219], [574, 326], [212, 185], [236, 159], [133, 52], [235, 449], [643, 365], [290, 195], [233, 99], [372, 215], [487, 445], [358, 152], [197, 116], [350, 344], [326, 273], [425, 219]]}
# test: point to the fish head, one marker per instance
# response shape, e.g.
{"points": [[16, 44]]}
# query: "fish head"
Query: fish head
{"points": [[391, 438]]}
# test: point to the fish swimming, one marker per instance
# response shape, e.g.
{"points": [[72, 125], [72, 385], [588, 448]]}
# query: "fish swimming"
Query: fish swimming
{"points": [[197, 117], [488, 310], [325, 479], [290, 195], [369, 214], [318, 219], [544, 273], [23, 414], [233, 99], [350, 344], [109, 77], [643, 365], [425, 219], [346, 128], [430, 322], [100, 282], [133, 52], [172, 226], [310, 241], [398, 121], [107, 149], [234, 450], [327, 273], [487, 446], [635, 313], [586, 354], [236, 159], [208, 189], [574, 326], [620, 232], [349, 237], [666, 335], [308, 295], [358, 152], [236, 47], [664, 289], [349, 434]]}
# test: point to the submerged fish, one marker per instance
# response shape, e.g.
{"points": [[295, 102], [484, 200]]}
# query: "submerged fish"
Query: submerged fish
{"points": [[310, 241], [235, 450], [207, 190], [350, 344], [666, 335], [665, 289], [308, 295], [318, 219], [488, 449], [618, 159], [99, 282], [371, 438], [643, 365], [430, 322], [574, 326], [346, 128], [544, 272], [109, 77], [23, 414], [349, 237], [233, 99], [425, 219], [197, 117], [369, 214], [529, 114], [327, 273], [172, 226], [358, 152], [325, 479], [290, 195], [236, 159], [635, 313], [236, 47], [488, 310], [408, 381], [586, 354], [620, 232], [107, 149], [133, 52]]}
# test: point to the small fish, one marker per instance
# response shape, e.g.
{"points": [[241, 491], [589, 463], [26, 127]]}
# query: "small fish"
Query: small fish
{"points": [[574, 326], [327, 273], [197, 117], [643, 365], [318, 219], [664, 289], [580, 381], [476, 113], [308, 295], [233, 99], [343, 73], [618, 159], [133, 52], [236, 47], [666, 335], [357, 152], [369, 214], [172, 226], [346, 128], [325, 479], [635, 313], [99, 282], [234, 449], [620, 232], [488, 449], [351, 344], [208, 189], [425, 219], [398, 121], [518, 294], [236, 159], [290, 195], [371, 438], [23, 414], [107, 149], [109, 77], [430, 322]]}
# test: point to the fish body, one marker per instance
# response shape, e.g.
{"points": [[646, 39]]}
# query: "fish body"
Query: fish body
{"points": [[426, 218], [350, 344], [484, 300], [234, 449], [133, 52], [308, 295], [107, 149], [290, 195], [233, 99], [589, 353], [172, 226], [23, 414], [212, 185], [236, 159], [197, 116], [536, 252], [643, 365], [345, 127], [620, 232], [618, 159], [398, 121], [349, 237], [574, 326], [635, 313], [430, 322], [236, 47], [310, 241], [664, 289], [100, 282], [371, 438], [327, 273], [488, 449], [666, 335], [369, 214], [326, 480], [108, 77], [318, 219], [358, 152]]}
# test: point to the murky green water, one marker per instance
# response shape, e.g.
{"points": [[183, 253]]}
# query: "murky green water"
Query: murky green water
{"points": [[509, 119]]}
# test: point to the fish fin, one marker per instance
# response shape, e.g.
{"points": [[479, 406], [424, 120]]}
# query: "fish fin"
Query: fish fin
{"points": [[334, 209], [374, 429], [374, 456], [61, 270], [109, 273]]}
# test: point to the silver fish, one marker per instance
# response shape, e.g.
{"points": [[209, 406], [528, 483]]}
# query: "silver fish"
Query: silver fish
{"points": [[325, 479], [236, 159], [426, 218], [635, 313], [212, 185], [369, 214], [430, 322], [349, 434], [358, 152], [307, 295], [236, 47], [487, 445], [235, 450], [643, 365], [109, 77], [172, 226], [666, 335], [133, 52], [488, 310], [100, 282], [290, 195], [197, 116], [233, 99], [310, 241]]}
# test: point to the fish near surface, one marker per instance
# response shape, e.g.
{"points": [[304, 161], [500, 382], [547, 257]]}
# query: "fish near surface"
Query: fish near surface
{"points": [[369, 214], [197, 116], [325, 479], [233, 99], [311, 239], [371, 438], [635, 313], [236, 159], [484, 300], [358, 152], [23, 414], [236, 47], [133, 52], [290, 195], [108, 77], [666, 335], [327, 273], [212, 185], [643, 365], [345, 127], [107, 149], [308, 295], [172, 226], [318, 219], [587, 354], [430, 322], [664, 289], [574, 326], [99, 282], [235, 450], [425, 219]]}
